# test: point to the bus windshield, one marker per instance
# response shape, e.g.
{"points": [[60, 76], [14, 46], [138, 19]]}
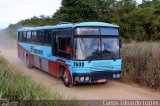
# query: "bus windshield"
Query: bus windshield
{"points": [[97, 48]]}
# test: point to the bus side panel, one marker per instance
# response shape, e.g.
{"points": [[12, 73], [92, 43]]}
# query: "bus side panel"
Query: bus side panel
{"points": [[37, 62], [44, 64], [56, 69], [40, 63], [53, 68], [21, 52], [50, 67], [32, 59]]}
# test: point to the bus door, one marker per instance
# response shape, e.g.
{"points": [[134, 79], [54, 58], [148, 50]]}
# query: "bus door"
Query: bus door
{"points": [[64, 48], [54, 65]]}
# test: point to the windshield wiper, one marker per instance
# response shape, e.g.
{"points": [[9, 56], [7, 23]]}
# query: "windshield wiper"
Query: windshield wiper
{"points": [[111, 54], [92, 55]]}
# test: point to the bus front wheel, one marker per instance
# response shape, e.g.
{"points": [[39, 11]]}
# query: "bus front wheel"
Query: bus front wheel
{"points": [[28, 62], [65, 78]]}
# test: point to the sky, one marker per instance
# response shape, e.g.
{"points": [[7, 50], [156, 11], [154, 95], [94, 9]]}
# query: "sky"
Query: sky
{"points": [[12, 11]]}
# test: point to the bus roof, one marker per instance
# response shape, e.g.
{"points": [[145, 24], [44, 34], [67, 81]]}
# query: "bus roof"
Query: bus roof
{"points": [[70, 25]]}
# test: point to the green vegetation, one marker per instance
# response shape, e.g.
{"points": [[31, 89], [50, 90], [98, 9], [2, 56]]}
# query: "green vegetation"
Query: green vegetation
{"points": [[15, 86], [141, 64], [137, 21]]}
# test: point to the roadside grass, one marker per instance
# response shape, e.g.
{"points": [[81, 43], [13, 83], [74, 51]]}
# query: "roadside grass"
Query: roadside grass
{"points": [[14, 86], [141, 64]]}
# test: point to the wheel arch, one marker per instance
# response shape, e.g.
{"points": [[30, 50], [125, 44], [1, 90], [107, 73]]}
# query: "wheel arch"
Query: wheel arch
{"points": [[67, 71]]}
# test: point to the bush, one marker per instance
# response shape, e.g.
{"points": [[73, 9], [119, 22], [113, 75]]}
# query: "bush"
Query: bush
{"points": [[141, 64], [14, 86]]}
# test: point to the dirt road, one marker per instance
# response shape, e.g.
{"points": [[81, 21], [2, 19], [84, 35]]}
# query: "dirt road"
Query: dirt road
{"points": [[110, 91]]}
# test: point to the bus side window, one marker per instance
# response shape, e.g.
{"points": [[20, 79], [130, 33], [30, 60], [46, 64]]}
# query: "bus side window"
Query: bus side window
{"points": [[64, 47], [62, 43], [19, 36], [24, 37], [34, 37], [47, 37], [29, 36], [40, 37]]}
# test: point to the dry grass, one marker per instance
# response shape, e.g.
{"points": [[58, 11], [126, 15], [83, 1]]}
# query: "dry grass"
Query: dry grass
{"points": [[14, 86], [141, 64]]}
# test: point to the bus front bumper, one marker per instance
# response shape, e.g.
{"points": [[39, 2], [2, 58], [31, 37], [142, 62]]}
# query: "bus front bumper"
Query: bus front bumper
{"points": [[96, 77]]}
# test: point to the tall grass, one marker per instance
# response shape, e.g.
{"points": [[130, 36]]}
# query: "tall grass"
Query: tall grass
{"points": [[15, 86], [141, 64]]}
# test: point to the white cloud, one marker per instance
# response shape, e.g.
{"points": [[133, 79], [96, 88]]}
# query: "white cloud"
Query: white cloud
{"points": [[12, 11]]}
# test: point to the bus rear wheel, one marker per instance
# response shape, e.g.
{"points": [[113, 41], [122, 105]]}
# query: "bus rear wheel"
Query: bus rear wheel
{"points": [[29, 65], [65, 78]]}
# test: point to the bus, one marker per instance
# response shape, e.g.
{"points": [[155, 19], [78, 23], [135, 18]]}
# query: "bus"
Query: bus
{"points": [[77, 53]]}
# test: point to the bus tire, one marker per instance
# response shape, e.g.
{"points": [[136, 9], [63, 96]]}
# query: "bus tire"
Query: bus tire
{"points": [[65, 77], [29, 65]]}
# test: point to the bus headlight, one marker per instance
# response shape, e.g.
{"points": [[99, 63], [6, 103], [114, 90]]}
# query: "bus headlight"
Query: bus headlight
{"points": [[82, 79], [118, 75], [87, 78], [114, 75]]}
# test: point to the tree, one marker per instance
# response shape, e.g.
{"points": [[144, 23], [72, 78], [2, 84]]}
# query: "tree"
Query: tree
{"points": [[137, 22], [144, 22], [75, 11]]}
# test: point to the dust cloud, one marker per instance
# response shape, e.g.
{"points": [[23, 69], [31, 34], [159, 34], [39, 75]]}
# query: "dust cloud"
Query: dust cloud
{"points": [[7, 39]]}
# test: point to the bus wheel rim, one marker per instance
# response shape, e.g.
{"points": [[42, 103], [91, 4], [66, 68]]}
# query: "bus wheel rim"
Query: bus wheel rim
{"points": [[65, 77]]}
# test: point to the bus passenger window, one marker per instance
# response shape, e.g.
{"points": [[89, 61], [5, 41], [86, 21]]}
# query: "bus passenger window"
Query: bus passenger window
{"points": [[47, 37], [24, 37], [34, 37], [64, 47], [28, 36], [40, 37], [20, 36], [62, 44]]}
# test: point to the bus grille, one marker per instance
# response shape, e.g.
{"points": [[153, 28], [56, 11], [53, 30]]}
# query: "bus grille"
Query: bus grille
{"points": [[104, 68]]}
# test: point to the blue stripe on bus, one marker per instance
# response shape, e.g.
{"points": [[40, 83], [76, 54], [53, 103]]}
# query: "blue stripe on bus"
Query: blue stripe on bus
{"points": [[34, 48], [99, 65]]}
